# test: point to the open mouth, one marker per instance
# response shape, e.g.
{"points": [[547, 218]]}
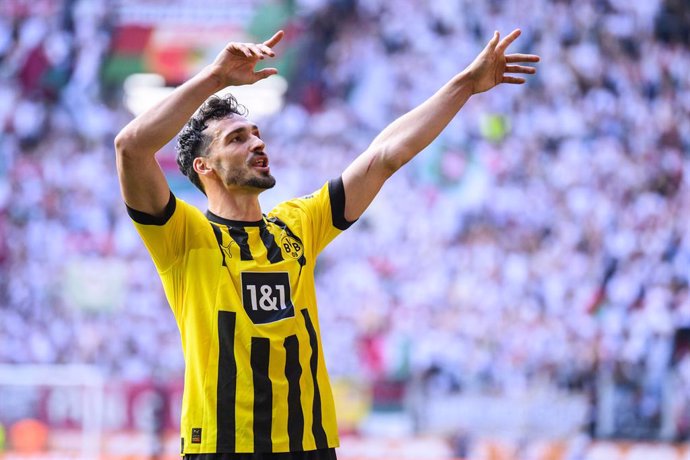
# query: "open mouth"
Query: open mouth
{"points": [[260, 162]]}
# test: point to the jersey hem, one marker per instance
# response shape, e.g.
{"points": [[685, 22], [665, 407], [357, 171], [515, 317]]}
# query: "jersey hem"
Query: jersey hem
{"points": [[216, 450]]}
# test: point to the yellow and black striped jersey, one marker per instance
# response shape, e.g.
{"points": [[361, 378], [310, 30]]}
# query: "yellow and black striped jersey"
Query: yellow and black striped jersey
{"points": [[244, 300]]}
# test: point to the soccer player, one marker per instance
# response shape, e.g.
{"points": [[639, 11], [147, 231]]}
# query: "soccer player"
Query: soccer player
{"points": [[240, 282]]}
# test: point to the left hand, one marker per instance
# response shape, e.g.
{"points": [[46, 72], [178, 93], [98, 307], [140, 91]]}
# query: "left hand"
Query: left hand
{"points": [[235, 65], [491, 65]]}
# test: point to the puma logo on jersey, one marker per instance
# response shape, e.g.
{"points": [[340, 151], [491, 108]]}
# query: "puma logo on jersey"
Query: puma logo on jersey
{"points": [[226, 249]]}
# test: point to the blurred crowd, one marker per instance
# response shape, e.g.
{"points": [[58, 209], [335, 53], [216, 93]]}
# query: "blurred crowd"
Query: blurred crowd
{"points": [[542, 238]]}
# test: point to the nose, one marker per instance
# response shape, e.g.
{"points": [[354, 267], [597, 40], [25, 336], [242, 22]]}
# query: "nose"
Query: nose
{"points": [[258, 144]]}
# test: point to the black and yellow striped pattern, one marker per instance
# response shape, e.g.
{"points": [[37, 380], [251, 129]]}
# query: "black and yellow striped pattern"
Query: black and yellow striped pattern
{"points": [[243, 296], [226, 440]]}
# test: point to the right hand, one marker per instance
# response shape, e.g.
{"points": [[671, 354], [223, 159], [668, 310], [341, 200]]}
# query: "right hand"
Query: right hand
{"points": [[234, 66]]}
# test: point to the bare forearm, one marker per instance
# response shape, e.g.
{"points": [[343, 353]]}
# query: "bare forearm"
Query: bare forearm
{"points": [[410, 134], [400, 141], [151, 130]]}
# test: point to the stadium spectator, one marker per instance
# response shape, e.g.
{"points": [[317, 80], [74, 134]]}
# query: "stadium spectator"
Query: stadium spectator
{"points": [[514, 289]]}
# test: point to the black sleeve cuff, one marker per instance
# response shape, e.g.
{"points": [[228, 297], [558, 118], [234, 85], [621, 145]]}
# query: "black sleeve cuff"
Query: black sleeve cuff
{"points": [[147, 219], [336, 192]]}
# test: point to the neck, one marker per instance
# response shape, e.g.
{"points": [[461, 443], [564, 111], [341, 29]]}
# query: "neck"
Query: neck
{"points": [[236, 206]]}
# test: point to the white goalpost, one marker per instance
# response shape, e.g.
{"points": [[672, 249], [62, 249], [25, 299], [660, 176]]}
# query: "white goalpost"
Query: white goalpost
{"points": [[70, 381]]}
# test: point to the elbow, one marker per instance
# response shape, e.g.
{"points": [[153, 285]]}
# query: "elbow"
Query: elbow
{"points": [[391, 160], [122, 143], [128, 145], [389, 155]]}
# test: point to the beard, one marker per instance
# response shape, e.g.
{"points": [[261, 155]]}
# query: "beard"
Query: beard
{"points": [[262, 182], [247, 179]]}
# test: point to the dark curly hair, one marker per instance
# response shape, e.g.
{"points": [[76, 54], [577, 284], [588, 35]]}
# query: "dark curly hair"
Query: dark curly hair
{"points": [[192, 142]]}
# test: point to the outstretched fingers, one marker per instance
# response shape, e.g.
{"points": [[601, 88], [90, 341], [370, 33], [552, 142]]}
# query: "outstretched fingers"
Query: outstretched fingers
{"points": [[252, 50], [266, 50], [241, 47], [513, 80], [517, 69], [494, 41], [510, 38], [524, 69], [273, 41], [520, 69], [264, 73], [255, 50], [517, 57]]}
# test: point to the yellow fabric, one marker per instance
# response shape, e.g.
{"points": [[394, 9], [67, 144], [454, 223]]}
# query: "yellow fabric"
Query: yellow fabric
{"points": [[202, 278]]}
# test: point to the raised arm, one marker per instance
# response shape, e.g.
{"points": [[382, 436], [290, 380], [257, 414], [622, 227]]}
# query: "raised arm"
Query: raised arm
{"points": [[142, 182], [400, 141]]}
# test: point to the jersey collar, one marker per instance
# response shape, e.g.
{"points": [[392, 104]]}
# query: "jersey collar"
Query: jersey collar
{"points": [[235, 223]]}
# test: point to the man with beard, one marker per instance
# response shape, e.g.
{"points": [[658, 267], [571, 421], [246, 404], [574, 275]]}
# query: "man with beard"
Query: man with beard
{"points": [[241, 282]]}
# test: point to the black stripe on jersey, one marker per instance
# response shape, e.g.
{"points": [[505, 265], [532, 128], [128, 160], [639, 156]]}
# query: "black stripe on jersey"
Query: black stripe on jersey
{"points": [[263, 394], [242, 240], [317, 424], [227, 383], [293, 372], [147, 219], [272, 249], [219, 239], [336, 192]]}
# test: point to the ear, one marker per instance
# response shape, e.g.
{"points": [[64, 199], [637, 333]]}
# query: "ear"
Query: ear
{"points": [[201, 166]]}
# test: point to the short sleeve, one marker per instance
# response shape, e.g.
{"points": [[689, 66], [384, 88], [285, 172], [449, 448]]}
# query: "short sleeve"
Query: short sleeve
{"points": [[325, 211], [164, 236]]}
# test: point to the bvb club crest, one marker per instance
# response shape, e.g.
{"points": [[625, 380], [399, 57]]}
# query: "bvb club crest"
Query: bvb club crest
{"points": [[291, 246]]}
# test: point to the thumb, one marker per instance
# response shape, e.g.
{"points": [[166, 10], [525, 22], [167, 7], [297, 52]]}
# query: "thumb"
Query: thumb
{"points": [[265, 73]]}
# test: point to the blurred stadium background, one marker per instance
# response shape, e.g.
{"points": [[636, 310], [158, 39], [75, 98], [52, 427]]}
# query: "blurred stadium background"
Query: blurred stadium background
{"points": [[519, 291]]}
